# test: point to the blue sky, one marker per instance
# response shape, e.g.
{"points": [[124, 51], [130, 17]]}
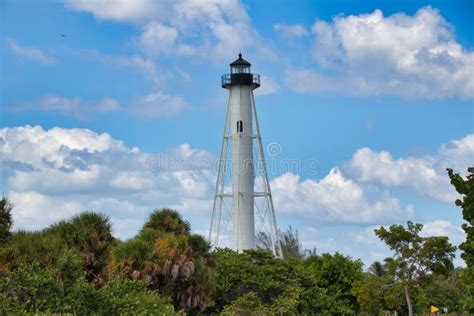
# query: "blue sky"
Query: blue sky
{"points": [[379, 93]]}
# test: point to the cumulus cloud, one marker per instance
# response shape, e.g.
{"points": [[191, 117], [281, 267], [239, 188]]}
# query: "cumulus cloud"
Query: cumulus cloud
{"points": [[444, 228], [66, 106], [365, 238], [336, 198], [291, 30], [52, 174], [222, 26], [32, 53], [210, 30], [423, 175], [409, 56]]}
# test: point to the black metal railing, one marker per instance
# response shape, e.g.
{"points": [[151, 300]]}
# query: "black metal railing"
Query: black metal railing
{"points": [[240, 79], [256, 79], [225, 79]]}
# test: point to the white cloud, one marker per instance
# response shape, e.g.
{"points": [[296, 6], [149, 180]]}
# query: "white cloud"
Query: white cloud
{"points": [[444, 228], [135, 62], [268, 86], [423, 175], [158, 104], [120, 10], [409, 56], [210, 30], [370, 248], [335, 198], [158, 38], [66, 106], [32, 53], [53, 174], [154, 105], [291, 30], [107, 105]]}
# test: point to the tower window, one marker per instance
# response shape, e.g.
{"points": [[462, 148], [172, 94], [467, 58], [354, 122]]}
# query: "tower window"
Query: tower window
{"points": [[240, 127]]}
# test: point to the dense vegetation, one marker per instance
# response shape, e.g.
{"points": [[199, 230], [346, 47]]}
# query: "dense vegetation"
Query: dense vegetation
{"points": [[78, 267]]}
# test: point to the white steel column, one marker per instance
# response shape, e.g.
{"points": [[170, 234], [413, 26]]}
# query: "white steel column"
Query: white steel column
{"points": [[240, 102]]}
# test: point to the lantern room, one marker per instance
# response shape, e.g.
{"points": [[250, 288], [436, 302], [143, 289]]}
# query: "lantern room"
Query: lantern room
{"points": [[240, 74]]}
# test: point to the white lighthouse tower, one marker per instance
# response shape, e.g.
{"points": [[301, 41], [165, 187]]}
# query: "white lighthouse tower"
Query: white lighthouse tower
{"points": [[237, 217]]}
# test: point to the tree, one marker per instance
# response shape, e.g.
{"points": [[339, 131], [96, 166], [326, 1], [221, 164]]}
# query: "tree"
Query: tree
{"points": [[247, 305], [415, 256], [6, 220], [169, 259], [377, 269], [291, 246], [36, 289], [446, 291], [369, 292], [254, 271], [465, 187], [336, 273], [314, 299], [25, 247], [168, 221], [89, 233], [33, 287]]}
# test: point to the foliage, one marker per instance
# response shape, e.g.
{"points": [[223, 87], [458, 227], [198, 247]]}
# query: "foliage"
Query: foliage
{"points": [[377, 269], [6, 220], [447, 292], [465, 187], [91, 234], [168, 221], [313, 298], [254, 271], [415, 256], [290, 244], [34, 289], [25, 247], [288, 286], [169, 259], [336, 273], [369, 292], [247, 305], [376, 294], [76, 266], [133, 297]]}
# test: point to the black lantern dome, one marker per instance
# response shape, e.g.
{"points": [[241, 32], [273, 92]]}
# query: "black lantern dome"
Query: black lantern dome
{"points": [[240, 74]]}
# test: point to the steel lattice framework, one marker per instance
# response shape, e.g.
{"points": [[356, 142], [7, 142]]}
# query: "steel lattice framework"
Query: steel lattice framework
{"points": [[225, 214]]}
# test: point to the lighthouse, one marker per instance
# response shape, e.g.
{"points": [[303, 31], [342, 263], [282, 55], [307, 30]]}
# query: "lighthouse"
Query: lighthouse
{"points": [[242, 176]]}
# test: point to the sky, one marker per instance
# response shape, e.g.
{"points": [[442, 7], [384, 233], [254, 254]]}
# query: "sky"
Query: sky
{"points": [[107, 105]]}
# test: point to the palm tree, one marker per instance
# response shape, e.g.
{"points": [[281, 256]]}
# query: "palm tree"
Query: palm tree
{"points": [[168, 221], [169, 258], [91, 234], [377, 269]]}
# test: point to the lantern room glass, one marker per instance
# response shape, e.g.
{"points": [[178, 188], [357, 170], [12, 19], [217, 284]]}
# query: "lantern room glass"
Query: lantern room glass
{"points": [[240, 69]]}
